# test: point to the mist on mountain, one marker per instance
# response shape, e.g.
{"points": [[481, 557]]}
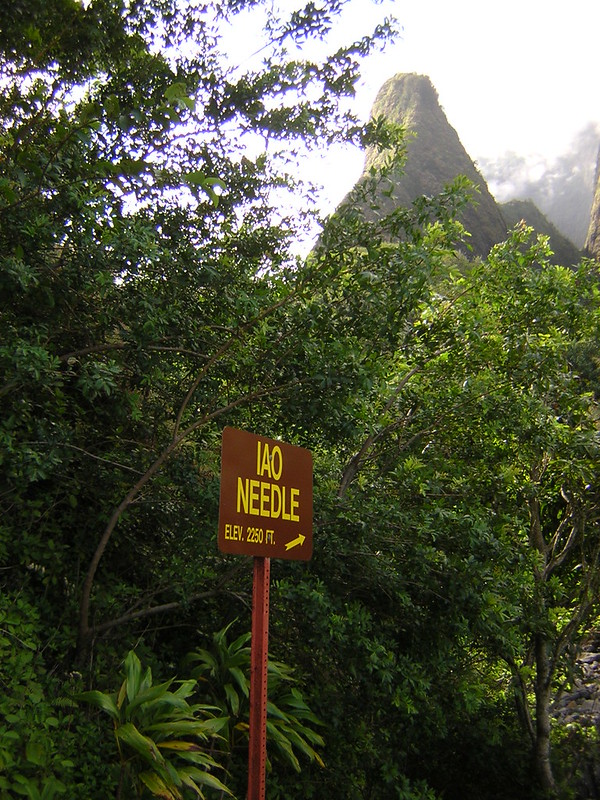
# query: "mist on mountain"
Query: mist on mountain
{"points": [[562, 187]]}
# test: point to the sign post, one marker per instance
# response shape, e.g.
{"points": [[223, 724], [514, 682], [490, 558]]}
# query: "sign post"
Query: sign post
{"points": [[265, 511], [259, 657]]}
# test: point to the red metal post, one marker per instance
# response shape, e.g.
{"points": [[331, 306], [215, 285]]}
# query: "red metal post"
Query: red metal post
{"points": [[259, 654]]}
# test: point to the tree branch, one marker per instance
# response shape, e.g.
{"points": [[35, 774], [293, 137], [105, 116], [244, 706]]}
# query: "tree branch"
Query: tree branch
{"points": [[521, 693], [536, 536], [91, 455], [163, 608], [236, 336], [84, 630]]}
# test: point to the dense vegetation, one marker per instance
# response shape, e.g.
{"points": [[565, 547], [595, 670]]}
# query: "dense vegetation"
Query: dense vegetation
{"points": [[563, 251], [148, 298]]}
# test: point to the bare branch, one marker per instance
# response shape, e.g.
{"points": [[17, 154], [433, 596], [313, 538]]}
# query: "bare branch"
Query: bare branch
{"points": [[536, 536], [556, 560], [163, 608], [92, 455]]}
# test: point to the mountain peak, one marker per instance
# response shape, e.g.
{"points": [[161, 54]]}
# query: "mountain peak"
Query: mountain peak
{"points": [[435, 157]]}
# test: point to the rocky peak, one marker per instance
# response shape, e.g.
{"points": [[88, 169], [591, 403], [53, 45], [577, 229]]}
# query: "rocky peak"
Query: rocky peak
{"points": [[592, 242], [435, 157]]}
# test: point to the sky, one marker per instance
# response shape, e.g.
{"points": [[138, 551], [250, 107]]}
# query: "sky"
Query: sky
{"points": [[514, 75], [518, 75]]}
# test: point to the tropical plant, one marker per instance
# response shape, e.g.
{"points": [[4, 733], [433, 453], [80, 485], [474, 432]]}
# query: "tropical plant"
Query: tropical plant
{"points": [[223, 673], [163, 741]]}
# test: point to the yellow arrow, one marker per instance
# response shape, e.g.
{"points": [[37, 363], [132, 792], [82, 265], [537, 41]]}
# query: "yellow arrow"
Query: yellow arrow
{"points": [[299, 540]]}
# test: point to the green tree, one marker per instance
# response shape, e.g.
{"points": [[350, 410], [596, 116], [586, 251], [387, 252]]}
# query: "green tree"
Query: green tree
{"points": [[163, 741], [485, 449], [529, 424], [144, 282], [141, 307]]}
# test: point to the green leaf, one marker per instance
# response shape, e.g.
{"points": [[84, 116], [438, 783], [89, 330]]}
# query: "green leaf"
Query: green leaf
{"points": [[214, 725], [158, 787], [240, 679], [26, 787], [179, 745], [104, 701], [207, 659], [212, 182], [192, 777], [199, 758], [112, 106], [133, 671], [143, 745], [186, 688], [152, 695], [232, 698], [241, 644], [36, 753], [52, 787], [175, 91], [180, 728], [284, 745], [196, 178], [274, 712], [122, 694]]}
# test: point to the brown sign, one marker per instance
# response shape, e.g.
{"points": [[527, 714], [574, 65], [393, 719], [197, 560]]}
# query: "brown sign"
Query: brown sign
{"points": [[266, 497]]}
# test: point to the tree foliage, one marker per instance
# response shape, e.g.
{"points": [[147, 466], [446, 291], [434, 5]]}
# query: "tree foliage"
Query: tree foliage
{"points": [[149, 296]]}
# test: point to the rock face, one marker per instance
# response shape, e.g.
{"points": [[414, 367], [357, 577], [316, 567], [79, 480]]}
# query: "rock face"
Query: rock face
{"points": [[435, 156], [579, 707], [592, 242]]}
